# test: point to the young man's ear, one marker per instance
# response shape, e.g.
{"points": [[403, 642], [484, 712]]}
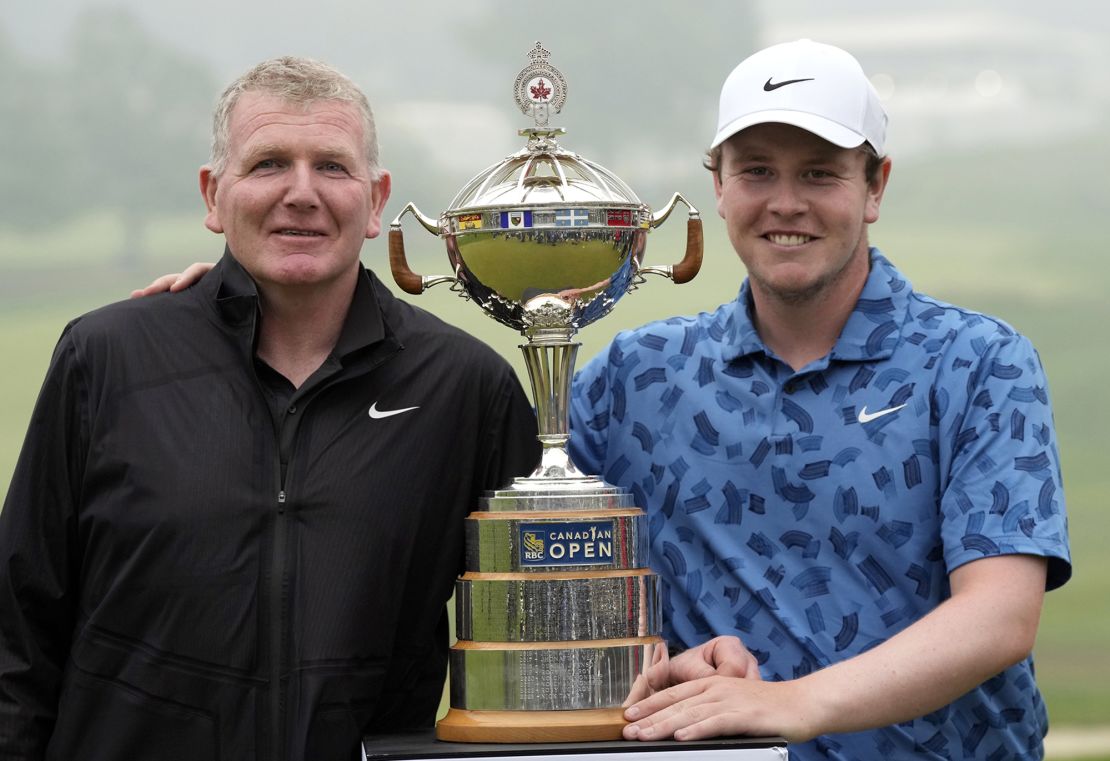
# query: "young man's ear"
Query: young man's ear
{"points": [[875, 190]]}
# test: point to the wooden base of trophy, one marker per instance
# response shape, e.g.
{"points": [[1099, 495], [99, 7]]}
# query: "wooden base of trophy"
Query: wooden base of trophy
{"points": [[531, 726]]}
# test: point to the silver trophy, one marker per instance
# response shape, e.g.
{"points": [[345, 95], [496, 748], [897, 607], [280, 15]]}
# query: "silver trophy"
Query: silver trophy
{"points": [[558, 612]]}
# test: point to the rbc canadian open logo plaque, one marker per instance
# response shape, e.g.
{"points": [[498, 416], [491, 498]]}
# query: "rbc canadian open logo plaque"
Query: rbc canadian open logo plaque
{"points": [[566, 543]]}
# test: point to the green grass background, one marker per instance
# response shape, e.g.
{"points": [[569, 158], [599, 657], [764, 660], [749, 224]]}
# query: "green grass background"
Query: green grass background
{"points": [[1028, 253]]}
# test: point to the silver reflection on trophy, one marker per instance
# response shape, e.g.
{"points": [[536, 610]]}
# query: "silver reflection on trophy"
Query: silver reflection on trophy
{"points": [[557, 612]]}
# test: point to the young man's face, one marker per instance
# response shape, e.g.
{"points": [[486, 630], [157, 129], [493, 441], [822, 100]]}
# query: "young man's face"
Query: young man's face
{"points": [[797, 209], [297, 197]]}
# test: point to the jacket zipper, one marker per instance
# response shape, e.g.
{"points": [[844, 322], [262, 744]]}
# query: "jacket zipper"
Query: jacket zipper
{"points": [[277, 626], [278, 613]]}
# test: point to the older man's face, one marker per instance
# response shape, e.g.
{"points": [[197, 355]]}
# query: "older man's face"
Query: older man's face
{"points": [[297, 198]]}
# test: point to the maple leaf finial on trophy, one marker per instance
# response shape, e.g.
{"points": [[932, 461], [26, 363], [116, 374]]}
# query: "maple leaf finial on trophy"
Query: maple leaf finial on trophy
{"points": [[540, 89]]}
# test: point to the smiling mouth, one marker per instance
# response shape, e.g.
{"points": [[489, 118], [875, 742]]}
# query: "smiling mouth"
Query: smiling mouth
{"points": [[301, 233], [780, 239]]}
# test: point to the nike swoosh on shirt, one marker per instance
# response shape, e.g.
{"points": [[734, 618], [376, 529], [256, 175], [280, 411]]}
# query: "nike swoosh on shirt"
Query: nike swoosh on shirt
{"points": [[768, 87], [867, 417], [379, 414]]}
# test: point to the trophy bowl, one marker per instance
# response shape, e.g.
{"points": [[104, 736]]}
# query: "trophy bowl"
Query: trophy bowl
{"points": [[545, 222], [557, 613]]}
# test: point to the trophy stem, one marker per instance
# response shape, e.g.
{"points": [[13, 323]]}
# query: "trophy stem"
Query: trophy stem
{"points": [[550, 366]]}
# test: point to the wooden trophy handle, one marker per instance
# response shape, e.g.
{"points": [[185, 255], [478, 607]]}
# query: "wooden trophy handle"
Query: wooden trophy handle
{"points": [[407, 280], [684, 271]]}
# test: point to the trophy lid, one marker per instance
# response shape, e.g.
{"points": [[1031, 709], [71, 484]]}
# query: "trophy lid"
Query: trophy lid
{"points": [[549, 177]]}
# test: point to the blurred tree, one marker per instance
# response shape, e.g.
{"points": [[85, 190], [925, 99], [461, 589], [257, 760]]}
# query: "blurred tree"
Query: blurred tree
{"points": [[39, 145], [139, 114]]}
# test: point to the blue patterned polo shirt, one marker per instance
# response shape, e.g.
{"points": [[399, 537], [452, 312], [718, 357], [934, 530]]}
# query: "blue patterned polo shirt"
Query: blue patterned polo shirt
{"points": [[817, 513]]}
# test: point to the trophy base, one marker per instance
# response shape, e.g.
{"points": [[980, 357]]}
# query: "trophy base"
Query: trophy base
{"points": [[588, 725]]}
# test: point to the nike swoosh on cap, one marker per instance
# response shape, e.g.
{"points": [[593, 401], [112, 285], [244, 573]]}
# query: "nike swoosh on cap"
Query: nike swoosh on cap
{"points": [[379, 414], [768, 87], [866, 417]]}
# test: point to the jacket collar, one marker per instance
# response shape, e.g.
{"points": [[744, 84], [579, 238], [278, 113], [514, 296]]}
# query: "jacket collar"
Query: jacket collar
{"points": [[872, 330], [235, 295]]}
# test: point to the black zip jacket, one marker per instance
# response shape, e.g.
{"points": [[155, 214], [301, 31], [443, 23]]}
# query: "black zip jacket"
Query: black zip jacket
{"points": [[189, 572]]}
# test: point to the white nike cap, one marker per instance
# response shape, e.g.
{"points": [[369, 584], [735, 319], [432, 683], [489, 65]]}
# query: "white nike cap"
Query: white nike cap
{"points": [[817, 87]]}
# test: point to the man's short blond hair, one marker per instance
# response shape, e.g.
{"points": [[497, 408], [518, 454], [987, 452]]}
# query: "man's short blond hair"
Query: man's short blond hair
{"points": [[298, 81]]}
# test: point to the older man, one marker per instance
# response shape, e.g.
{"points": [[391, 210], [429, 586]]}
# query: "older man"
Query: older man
{"points": [[238, 511], [858, 481]]}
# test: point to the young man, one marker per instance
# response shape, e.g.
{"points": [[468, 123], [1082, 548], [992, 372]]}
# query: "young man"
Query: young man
{"points": [[853, 489], [222, 539]]}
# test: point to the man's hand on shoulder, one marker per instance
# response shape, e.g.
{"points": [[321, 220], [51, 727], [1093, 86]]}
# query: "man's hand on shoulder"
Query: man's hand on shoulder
{"points": [[176, 281]]}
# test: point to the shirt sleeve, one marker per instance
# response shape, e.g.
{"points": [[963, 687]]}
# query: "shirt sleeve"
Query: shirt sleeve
{"points": [[589, 413], [1004, 494], [38, 559]]}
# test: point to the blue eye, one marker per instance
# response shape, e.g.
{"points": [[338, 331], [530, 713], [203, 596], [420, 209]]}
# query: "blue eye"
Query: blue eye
{"points": [[757, 171]]}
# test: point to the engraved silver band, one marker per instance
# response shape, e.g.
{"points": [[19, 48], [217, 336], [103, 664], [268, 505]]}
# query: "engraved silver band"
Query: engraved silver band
{"points": [[548, 679], [546, 609]]}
